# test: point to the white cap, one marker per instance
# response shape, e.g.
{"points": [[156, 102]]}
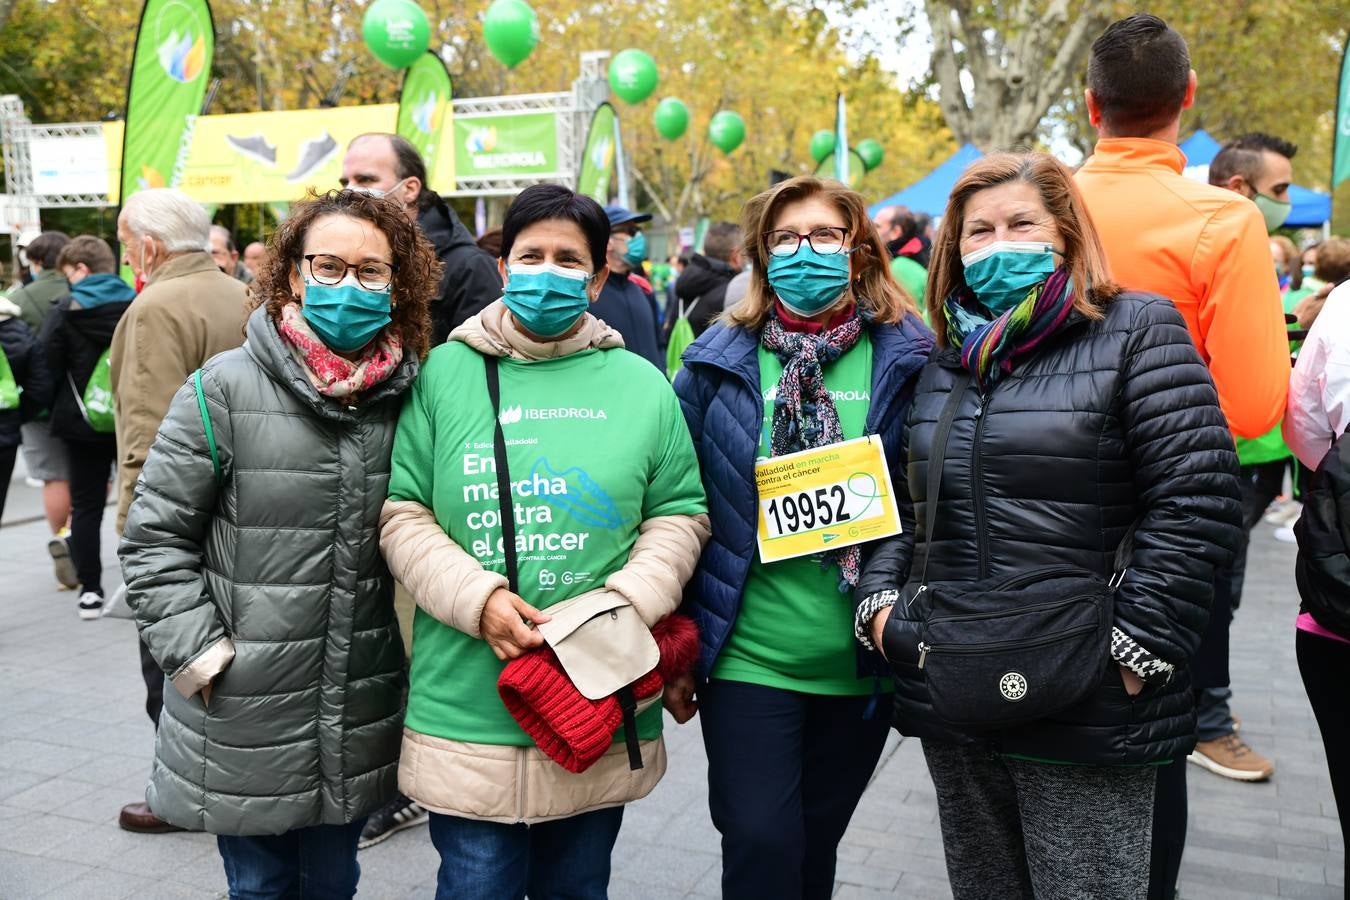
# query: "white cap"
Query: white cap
{"points": [[27, 236]]}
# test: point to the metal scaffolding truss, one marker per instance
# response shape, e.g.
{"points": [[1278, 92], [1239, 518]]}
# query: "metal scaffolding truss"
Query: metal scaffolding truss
{"points": [[573, 110]]}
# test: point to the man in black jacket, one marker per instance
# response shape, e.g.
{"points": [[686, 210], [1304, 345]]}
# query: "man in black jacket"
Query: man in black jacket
{"points": [[623, 304], [387, 165], [701, 289]]}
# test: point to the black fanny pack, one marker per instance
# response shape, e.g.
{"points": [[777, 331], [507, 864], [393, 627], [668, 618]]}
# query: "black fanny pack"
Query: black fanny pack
{"points": [[1008, 651]]}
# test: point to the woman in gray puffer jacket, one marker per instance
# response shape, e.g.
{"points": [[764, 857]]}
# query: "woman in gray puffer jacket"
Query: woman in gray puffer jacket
{"points": [[251, 555]]}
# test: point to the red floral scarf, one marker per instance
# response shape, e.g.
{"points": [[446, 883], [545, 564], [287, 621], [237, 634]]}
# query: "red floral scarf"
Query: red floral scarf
{"points": [[333, 375]]}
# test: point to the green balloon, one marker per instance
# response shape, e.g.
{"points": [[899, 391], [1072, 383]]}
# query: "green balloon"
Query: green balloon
{"points": [[396, 31], [872, 153], [726, 130], [671, 117], [632, 75], [511, 30], [822, 144]]}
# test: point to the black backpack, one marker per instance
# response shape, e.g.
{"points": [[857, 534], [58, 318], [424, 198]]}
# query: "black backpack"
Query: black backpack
{"points": [[1323, 532]]}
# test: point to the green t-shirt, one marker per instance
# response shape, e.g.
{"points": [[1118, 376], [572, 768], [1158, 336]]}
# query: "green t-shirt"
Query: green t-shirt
{"points": [[795, 629], [913, 278], [596, 444]]}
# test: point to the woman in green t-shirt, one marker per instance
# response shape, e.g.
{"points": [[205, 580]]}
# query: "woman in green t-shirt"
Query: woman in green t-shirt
{"points": [[605, 503], [824, 349]]}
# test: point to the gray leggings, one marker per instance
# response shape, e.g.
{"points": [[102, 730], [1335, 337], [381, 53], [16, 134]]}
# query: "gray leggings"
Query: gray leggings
{"points": [[1017, 830]]}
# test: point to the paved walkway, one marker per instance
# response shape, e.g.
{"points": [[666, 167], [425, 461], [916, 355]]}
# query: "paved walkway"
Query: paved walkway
{"points": [[75, 745]]}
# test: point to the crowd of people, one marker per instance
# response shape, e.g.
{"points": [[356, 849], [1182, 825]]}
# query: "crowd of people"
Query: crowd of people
{"points": [[423, 528]]}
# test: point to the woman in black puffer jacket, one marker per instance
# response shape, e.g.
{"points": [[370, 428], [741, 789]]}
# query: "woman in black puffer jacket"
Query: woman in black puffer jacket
{"points": [[1085, 412]]}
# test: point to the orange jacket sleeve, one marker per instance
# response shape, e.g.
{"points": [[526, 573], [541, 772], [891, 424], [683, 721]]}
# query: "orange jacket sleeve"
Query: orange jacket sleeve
{"points": [[1242, 319]]}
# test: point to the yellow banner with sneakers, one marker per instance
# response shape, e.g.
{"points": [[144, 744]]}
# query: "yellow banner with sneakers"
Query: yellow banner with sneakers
{"points": [[266, 157]]}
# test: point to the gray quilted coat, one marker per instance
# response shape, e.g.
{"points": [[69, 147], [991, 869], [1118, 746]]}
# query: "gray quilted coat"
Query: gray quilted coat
{"points": [[269, 587]]}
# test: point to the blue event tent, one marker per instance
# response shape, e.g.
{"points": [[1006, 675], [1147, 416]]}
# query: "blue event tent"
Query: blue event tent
{"points": [[1311, 208], [929, 193]]}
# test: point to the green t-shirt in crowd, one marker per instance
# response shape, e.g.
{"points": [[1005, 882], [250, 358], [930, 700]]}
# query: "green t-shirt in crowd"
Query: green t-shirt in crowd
{"points": [[913, 278], [596, 444], [795, 629]]}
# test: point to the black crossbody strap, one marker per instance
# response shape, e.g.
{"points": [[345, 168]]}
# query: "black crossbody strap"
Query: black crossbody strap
{"points": [[505, 505], [937, 455]]}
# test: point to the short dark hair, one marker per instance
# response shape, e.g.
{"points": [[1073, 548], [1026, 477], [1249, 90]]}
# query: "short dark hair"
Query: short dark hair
{"points": [[541, 202], [908, 225], [1243, 156], [45, 250], [491, 241], [94, 252], [1333, 260], [721, 239], [1138, 73]]}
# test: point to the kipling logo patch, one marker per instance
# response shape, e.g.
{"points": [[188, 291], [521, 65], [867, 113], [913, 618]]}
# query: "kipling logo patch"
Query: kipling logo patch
{"points": [[1013, 686]]}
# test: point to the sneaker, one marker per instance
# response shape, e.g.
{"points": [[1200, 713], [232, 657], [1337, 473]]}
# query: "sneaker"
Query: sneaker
{"points": [[59, 548], [313, 153], [254, 147], [1230, 757], [1286, 535], [91, 605], [393, 817]]}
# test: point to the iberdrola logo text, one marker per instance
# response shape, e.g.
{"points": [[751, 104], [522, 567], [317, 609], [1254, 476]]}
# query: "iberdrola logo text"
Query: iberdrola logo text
{"points": [[481, 143], [182, 56], [514, 415]]}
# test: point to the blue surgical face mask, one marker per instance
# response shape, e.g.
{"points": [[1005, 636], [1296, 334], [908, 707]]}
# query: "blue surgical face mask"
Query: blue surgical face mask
{"points": [[808, 282], [546, 299], [1308, 271], [637, 250], [1004, 272], [345, 315]]}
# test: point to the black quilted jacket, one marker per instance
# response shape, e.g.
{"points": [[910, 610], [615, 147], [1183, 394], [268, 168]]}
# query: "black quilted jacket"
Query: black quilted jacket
{"points": [[1109, 420]]}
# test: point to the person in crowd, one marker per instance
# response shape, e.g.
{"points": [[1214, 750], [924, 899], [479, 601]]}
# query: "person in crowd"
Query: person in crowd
{"points": [[226, 254], [187, 312], [490, 242], [1259, 167], [1205, 249], [252, 545], [1309, 257], [1288, 268], [904, 246], [44, 456], [77, 334], [624, 304], [1045, 365], [1331, 268], [624, 529], [678, 263], [825, 348], [255, 257], [1317, 416], [701, 289], [25, 387], [388, 165]]}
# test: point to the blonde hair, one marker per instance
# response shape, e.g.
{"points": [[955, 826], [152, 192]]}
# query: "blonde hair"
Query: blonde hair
{"points": [[1089, 272], [872, 288]]}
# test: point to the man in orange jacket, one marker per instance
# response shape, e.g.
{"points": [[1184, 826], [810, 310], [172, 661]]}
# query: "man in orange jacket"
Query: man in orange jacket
{"points": [[1206, 249]]}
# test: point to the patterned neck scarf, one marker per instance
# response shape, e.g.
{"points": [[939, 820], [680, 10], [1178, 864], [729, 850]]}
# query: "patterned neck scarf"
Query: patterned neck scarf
{"points": [[804, 414], [333, 375], [989, 347]]}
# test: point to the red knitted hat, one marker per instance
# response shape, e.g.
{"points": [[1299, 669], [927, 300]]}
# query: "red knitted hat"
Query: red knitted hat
{"points": [[569, 728]]}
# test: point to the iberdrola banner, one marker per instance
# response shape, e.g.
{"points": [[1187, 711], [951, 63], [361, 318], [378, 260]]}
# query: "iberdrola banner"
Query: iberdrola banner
{"points": [[1340, 164], [422, 106], [169, 72], [597, 162]]}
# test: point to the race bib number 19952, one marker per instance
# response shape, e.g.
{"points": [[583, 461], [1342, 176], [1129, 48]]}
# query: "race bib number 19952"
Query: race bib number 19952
{"points": [[822, 499]]}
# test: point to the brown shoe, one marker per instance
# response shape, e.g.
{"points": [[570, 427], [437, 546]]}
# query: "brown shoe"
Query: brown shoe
{"points": [[137, 817], [1230, 757]]}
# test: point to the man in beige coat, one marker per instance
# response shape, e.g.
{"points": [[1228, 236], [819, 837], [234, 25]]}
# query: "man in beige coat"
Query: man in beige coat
{"points": [[188, 312]]}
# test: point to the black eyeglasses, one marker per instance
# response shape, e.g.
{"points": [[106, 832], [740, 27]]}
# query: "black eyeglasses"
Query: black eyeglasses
{"points": [[822, 240], [330, 270]]}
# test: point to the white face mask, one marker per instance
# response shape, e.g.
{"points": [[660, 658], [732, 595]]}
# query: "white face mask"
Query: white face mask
{"points": [[377, 192]]}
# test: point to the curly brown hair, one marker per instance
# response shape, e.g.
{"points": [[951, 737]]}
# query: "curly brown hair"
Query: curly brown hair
{"points": [[417, 271]]}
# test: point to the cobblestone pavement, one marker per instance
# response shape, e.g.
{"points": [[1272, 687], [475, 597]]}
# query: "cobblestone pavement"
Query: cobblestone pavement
{"points": [[75, 745]]}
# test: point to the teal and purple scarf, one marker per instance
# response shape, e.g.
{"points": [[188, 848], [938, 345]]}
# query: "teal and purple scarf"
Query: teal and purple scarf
{"points": [[989, 347]]}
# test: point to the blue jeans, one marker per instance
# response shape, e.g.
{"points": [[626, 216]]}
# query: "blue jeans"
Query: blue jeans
{"points": [[318, 862], [567, 858]]}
